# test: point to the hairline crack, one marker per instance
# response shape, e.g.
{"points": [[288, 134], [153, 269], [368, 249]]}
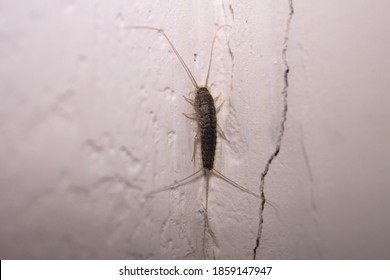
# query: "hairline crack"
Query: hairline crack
{"points": [[284, 94]]}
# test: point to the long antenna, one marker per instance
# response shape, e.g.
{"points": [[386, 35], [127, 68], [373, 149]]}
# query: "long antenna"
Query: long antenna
{"points": [[172, 46], [212, 48]]}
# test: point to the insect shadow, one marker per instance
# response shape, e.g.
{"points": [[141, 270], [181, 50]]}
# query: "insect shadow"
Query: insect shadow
{"points": [[205, 114]]}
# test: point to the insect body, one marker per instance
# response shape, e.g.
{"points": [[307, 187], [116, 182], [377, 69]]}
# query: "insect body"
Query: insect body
{"points": [[206, 117], [207, 120]]}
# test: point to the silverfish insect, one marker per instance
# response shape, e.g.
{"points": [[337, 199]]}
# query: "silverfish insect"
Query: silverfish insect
{"points": [[205, 114]]}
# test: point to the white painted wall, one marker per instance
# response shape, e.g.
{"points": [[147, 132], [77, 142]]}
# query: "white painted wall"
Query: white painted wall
{"points": [[90, 122]]}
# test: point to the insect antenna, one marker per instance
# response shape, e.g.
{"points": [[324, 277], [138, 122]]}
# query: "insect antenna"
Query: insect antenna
{"points": [[161, 31], [212, 48]]}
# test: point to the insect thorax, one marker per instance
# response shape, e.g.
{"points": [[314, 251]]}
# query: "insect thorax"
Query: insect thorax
{"points": [[204, 105]]}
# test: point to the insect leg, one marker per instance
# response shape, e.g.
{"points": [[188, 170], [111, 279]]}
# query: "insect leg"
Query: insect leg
{"points": [[234, 184], [192, 102], [176, 184], [219, 106], [220, 131], [196, 141], [216, 98], [191, 116]]}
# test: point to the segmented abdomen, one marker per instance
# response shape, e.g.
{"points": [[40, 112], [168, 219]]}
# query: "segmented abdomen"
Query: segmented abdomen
{"points": [[207, 119]]}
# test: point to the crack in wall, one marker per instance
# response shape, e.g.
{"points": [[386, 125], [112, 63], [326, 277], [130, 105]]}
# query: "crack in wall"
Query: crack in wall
{"points": [[225, 11], [282, 126]]}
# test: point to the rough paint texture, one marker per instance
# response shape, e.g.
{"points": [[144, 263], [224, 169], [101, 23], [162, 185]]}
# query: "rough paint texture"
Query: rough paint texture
{"points": [[90, 123]]}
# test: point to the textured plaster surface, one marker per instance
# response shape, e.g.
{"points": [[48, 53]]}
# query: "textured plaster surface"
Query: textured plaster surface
{"points": [[91, 122]]}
